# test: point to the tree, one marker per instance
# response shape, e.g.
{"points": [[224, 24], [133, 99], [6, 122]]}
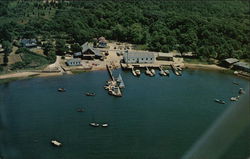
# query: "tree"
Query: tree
{"points": [[61, 47], [7, 46], [47, 48], [76, 47], [1, 68], [5, 59], [51, 56]]}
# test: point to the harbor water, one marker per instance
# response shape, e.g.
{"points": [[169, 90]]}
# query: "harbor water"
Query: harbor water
{"points": [[157, 117]]}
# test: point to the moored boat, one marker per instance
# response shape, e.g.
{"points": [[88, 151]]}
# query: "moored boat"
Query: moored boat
{"points": [[167, 72], [56, 143], [90, 94], [133, 72], [61, 89], [138, 72], [241, 91], [80, 110], [94, 124], [220, 101], [105, 125], [162, 73], [233, 98], [152, 71]]}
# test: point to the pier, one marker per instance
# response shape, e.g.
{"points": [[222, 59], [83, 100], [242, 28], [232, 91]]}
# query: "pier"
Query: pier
{"points": [[114, 86]]}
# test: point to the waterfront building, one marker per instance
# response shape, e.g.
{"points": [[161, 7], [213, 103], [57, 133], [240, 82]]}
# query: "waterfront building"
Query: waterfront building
{"points": [[229, 62], [241, 66], [165, 57], [74, 62], [88, 53], [133, 57]]}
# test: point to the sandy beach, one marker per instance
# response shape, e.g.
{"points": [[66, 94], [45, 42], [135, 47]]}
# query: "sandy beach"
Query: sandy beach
{"points": [[203, 66]]}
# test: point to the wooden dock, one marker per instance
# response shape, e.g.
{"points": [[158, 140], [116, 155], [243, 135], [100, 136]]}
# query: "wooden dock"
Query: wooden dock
{"points": [[110, 72], [113, 85]]}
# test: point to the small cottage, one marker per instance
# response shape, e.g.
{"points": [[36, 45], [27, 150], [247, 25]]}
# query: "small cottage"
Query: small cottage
{"points": [[74, 62], [29, 43], [102, 43]]}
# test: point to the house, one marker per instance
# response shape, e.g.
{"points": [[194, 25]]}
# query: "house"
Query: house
{"points": [[74, 62], [229, 62], [28, 43], [102, 43], [88, 52], [189, 55], [77, 55], [132, 57], [242, 66], [1, 48], [165, 57]]}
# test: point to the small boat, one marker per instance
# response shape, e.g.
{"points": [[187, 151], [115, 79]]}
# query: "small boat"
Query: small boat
{"points": [[94, 124], [162, 73], [133, 72], [61, 89], [167, 72], [105, 125], [179, 68], [152, 71], [234, 98], [138, 72], [56, 143], [90, 94], [220, 101], [80, 110], [241, 91], [236, 83]]}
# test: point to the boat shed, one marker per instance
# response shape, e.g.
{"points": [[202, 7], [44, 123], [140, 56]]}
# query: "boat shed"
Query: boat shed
{"points": [[138, 57], [74, 62], [229, 62], [242, 66], [88, 52]]}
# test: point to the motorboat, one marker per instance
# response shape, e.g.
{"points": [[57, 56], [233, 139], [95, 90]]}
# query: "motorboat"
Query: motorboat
{"points": [[90, 94], [105, 125], [241, 91], [61, 90], [56, 143], [94, 124], [162, 73], [80, 110], [152, 71], [138, 72], [220, 101]]}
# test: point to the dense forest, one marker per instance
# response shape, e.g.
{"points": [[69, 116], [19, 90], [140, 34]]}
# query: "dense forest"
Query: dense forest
{"points": [[212, 29]]}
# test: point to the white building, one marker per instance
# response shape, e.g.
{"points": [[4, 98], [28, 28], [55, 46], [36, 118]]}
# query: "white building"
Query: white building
{"points": [[134, 57]]}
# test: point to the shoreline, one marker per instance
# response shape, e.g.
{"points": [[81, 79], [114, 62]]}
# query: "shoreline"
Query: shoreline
{"points": [[31, 74], [204, 67]]}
